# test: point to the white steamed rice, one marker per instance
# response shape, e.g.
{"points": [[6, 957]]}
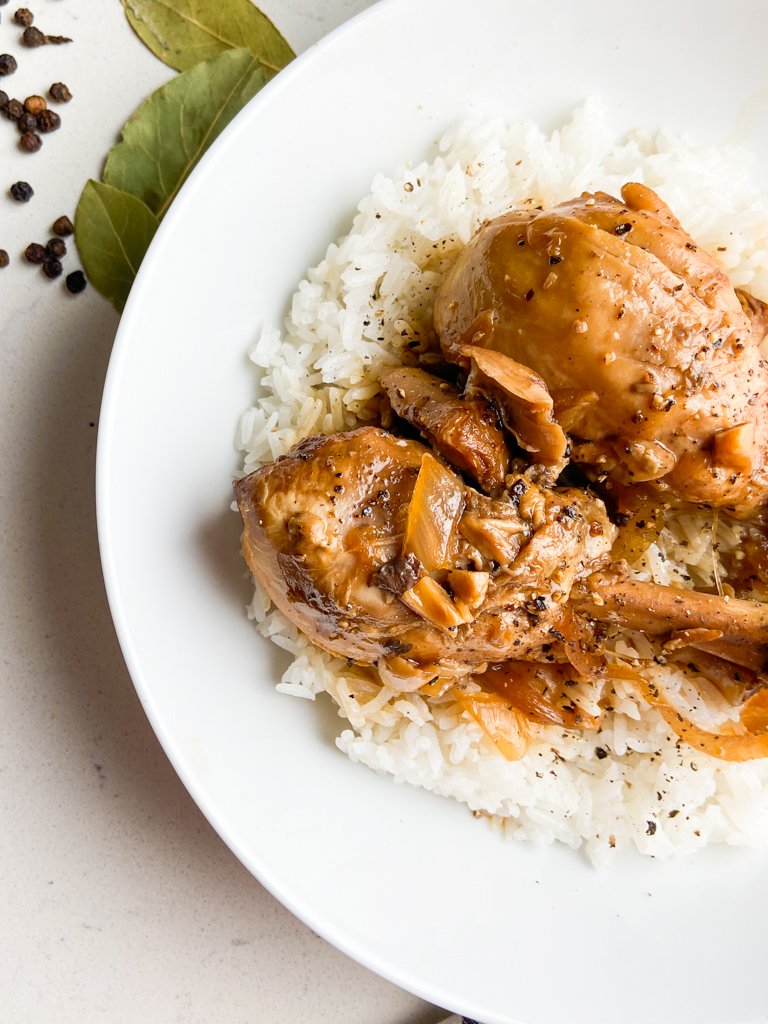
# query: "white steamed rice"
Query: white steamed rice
{"points": [[374, 292]]}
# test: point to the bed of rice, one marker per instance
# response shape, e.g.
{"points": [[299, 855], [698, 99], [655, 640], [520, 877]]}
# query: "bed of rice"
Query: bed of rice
{"points": [[372, 293]]}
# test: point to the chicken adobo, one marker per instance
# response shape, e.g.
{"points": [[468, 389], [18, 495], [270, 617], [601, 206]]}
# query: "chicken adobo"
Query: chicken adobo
{"points": [[596, 334], [381, 554], [647, 350]]}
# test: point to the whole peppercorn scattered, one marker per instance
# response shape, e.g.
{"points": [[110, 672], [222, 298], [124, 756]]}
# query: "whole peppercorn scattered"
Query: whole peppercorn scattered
{"points": [[48, 121], [3, 100], [27, 123], [7, 64], [56, 248], [22, 191], [63, 227], [24, 17], [34, 253], [52, 268], [14, 111], [3, 3], [33, 37], [34, 104], [5, 259], [30, 142], [76, 282], [60, 93]]}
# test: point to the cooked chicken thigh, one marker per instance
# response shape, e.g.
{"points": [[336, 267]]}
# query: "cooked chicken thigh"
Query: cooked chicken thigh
{"points": [[649, 354], [381, 554]]}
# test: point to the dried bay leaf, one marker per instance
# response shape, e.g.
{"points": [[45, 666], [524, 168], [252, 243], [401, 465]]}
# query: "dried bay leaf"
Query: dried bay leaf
{"points": [[171, 130], [184, 32], [113, 230]]}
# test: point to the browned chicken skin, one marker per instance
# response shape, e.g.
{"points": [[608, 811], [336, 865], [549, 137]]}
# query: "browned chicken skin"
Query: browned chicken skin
{"points": [[650, 356], [341, 533]]}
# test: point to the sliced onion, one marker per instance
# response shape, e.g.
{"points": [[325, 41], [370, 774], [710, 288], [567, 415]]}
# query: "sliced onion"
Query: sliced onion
{"points": [[503, 724], [469, 589], [407, 676], [580, 646], [539, 690], [745, 740], [429, 600], [735, 448], [497, 539], [643, 521], [436, 506]]}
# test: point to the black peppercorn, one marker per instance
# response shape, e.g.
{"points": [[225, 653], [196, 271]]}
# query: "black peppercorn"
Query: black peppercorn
{"points": [[24, 17], [63, 227], [56, 248], [52, 268], [34, 104], [76, 282], [22, 191], [60, 93], [7, 64], [34, 253], [32, 36], [27, 123], [3, 3], [3, 100], [48, 121], [14, 110], [30, 142], [5, 259]]}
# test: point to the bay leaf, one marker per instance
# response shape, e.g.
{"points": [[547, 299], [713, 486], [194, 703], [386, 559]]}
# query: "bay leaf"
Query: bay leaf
{"points": [[184, 32], [113, 230], [170, 131]]}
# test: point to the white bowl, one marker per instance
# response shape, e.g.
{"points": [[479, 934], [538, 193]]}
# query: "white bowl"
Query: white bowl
{"points": [[403, 881]]}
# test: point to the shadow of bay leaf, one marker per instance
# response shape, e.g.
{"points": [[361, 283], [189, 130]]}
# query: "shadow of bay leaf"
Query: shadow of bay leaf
{"points": [[171, 130], [183, 33]]}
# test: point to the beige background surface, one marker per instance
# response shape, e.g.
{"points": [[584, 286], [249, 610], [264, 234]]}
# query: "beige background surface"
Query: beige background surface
{"points": [[118, 903]]}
